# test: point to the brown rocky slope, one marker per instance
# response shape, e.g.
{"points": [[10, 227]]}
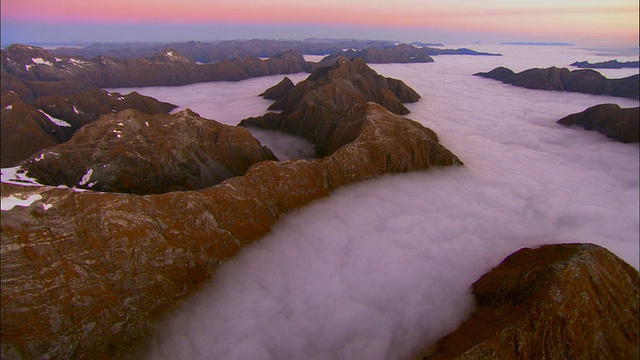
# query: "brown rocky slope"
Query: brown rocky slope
{"points": [[133, 152], [609, 119], [314, 107], [568, 301], [50, 120], [87, 273], [562, 79], [167, 68]]}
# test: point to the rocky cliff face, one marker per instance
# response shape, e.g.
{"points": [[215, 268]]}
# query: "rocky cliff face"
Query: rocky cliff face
{"points": [[571, 301], [401, 53], [30, 90], [87, 273], [611, 64], [609, 119], [207, 52], [561, 79], [133, 152], [315, 106], [279, 90], [168, 68], [24, 130], [50, 120]]}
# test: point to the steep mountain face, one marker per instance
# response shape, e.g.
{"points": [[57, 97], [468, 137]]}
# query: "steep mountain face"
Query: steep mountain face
{"points": [[570, 301], [279, 90], [207, 52], [168, 68], [24, 130], [401, 53], [315, 106], [609, 119], [50, 120], [30, 90], [611, 64], [87, 273], [562, 79], [133, 152]]}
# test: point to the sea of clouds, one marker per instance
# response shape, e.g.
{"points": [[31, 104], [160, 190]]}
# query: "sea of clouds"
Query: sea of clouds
{"points": [[382, 269]]}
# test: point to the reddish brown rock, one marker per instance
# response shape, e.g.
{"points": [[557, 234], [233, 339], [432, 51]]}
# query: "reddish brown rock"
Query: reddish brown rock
{"points": [[609, 119], [571, 301], [562, 79], [167, 68], [127, 259], [50, 120], [87, 273], [399, 53], [30, 90], [278, 91], [133, 152], [82, 108], [24, 130], [314, 107], [11, 83]]}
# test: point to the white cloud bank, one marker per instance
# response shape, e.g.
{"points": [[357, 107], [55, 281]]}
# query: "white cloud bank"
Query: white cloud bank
{"points": [[382, 269]]}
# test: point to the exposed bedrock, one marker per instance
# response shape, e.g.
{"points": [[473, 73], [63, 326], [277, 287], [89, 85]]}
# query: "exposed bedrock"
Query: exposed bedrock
{"points": [[50, 120], [315, 106], [562, 79], [133, 152], [85, 274], [610, 64], [568, 301], [279, 90], [609, 119], [166, 68]]}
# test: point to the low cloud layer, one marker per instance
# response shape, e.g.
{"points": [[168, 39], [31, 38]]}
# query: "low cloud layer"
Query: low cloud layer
{"points": [[382, 269]]}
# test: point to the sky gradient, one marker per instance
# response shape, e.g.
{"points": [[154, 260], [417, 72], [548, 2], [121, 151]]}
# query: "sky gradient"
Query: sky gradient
{"points": [[586, 22]]}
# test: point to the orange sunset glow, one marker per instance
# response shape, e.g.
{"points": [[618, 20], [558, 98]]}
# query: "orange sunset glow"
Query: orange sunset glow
{"points": [[614, 22]]}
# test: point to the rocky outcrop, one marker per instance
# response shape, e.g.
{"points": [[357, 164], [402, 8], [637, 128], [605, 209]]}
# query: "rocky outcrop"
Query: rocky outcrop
{"points": [[401, 53], [609, 119], [314, 107], [50, 120], [168, 68], [133, 152], [24, 130], [278, 91], [611, 64], [30, 90], [207, 52], [570, 301], [562, 79], [87, 273]]}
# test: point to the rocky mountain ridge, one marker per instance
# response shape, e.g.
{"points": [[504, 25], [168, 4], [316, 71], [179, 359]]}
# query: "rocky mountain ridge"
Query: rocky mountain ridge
{"points": [[562, 79], [314, 107], [609, 119], [86, 273], [167, 68], [567, 301], [610, 64], [400, 53], [137, 153], [213, 51], [53, 119]]}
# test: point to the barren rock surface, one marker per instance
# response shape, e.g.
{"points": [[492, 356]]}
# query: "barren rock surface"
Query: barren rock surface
{"points": [[609, 119], [53, 119], [133, 152], [85, 274], [562, 79], [569, 301]]}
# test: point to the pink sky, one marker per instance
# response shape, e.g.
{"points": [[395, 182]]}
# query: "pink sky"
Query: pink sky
{"points": [[570, 20]]}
